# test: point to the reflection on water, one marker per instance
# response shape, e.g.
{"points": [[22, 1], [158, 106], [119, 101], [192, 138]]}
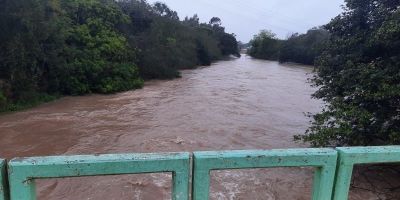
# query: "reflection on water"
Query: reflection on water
{"points": [[234, 104]]}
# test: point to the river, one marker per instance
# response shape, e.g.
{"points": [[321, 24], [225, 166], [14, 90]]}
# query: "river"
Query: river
{"points": [[233, 104]]}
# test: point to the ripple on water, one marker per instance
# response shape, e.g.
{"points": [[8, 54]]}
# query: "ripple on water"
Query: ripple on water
{"points": [[235, 104]]}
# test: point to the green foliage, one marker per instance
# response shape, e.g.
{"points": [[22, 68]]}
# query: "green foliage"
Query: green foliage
{"points": [[35, 99], [167, 44], [52, 47], [75, 47], [299, 48], [304, 48], [3, 101], [121, 77], [96, 50], [358, 77], [265, 45], [28, 46]]}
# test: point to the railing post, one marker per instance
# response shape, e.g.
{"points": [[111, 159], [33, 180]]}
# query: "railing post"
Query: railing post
{"points": [[201, 178], [324, 182], [180, 182], [324, 160], [3, 180], [21, 187], [348, 157], [23, 171]]}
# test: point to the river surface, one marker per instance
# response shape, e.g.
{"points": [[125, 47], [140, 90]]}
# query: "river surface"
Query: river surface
{"points": [[233, 104]]}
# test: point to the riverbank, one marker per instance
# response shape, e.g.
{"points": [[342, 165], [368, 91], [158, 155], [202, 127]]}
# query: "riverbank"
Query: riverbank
{"points": [[130, 41], [235, 104], [39, 99]]}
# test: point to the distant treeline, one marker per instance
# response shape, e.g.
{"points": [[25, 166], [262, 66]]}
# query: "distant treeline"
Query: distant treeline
{"points": [[298, 48], [54, 47]]}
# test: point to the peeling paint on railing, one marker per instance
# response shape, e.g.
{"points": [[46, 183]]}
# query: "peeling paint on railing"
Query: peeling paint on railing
{"points": [[331, 181]]}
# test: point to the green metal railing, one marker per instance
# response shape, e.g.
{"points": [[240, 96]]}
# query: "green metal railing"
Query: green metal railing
{"points": [[323, 159], [23, 172], [3, 180], [348, 157], [331, 181]]}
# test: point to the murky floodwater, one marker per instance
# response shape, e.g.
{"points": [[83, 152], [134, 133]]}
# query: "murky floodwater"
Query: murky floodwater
{"points": [[234, 104]]}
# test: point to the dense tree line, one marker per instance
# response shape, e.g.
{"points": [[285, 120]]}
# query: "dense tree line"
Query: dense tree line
{"points": [[299, 48], [304, 48], [358, 76], [54, 47]]}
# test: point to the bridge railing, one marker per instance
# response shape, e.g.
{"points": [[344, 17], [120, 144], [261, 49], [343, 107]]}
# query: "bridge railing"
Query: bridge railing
{"points": [[348, 157], [324, 160], [331, 164], [23, 172], [3, 180]]}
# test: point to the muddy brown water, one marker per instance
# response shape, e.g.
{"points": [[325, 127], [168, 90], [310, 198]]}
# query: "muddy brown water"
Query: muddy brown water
{"points": [[233, 104]]}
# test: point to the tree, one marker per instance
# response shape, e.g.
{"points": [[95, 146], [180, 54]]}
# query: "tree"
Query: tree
{"points": [[304, 48], [96, 54], [163, 10], [265, 45], [192, 21], [30, 44], [53, 47], [62, 47], [215, 21], [358, 76], [298, 48], [167, 44]]}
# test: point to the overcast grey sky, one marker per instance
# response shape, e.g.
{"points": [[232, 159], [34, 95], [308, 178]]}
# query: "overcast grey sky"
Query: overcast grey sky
{"points": [[247, 17]]}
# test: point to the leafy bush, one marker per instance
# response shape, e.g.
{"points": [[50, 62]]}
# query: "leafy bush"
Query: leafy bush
{"points": [[3, 101], [358, 76]]}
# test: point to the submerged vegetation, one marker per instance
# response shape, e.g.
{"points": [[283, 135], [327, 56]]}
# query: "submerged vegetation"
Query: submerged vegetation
{"points": [[53, 47]]}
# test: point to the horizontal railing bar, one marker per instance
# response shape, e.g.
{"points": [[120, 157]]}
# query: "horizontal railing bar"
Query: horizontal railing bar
{"points": [[22, 171], [265, 158], [369, 155], [87, 165]]}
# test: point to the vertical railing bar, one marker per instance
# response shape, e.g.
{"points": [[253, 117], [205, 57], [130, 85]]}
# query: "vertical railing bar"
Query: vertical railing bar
{"points": [[4, 191], [324, 160], [351, 156], [180, 179]]}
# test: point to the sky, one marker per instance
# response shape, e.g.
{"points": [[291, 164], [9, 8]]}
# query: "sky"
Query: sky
{"points": [[246, 18]]}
